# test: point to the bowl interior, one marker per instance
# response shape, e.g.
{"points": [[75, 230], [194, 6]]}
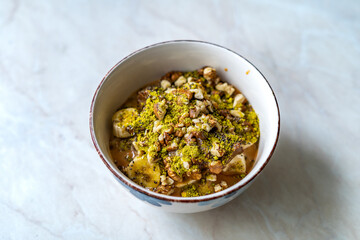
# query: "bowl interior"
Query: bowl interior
{"points": [[151, 63]]}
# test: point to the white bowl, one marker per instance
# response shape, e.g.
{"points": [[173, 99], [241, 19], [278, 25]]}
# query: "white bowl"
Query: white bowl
{"points": [[149, 64]]}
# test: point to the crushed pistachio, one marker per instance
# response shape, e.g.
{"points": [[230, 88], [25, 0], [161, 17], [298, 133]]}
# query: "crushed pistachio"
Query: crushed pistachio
{"points": [[213, 125], [190, 191]]}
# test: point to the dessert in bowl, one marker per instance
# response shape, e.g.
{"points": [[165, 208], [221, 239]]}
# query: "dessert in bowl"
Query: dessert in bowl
{"points": [[204, 134]]}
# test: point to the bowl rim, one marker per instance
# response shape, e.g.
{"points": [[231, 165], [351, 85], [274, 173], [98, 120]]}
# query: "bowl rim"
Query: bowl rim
{"points": [[166, 197]]}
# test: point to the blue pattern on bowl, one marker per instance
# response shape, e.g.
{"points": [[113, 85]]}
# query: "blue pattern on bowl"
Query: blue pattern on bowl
{"points": [[231, 194], [210, 202], [144, 197], [151, 200], [220, 201]]}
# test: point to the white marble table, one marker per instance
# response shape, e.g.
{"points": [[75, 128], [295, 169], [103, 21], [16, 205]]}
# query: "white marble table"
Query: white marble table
{"points": [[53, 54]]}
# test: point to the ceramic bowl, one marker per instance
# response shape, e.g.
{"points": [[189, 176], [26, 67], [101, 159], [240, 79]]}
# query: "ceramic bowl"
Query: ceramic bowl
{"points": [[149, 64]]}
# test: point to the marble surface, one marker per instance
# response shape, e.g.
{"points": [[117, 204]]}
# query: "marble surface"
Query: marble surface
{"points": [[53, 55]]}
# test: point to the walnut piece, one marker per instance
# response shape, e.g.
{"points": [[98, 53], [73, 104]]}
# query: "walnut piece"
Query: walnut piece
{"points": [[180, 81], [194, 112], [217, 188], [237, 113], [160, 109], [216, 150], [157, 126], [172, 147], [215, 167], [211, 177], [198, 94], [224, 87], [171, 173], [223, 184], [166, 180], [185, 92], [180, 132], [238, 99], [194, 174], [209, 73], [165, 84], [167, 190]]}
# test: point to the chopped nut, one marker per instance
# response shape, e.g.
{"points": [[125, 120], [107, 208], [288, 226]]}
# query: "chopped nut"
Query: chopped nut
{"points": [[180, 132], [237, 113], [198, 93], [172, 147], [160, 109], [223, 184], [217, 80], [226, 113], [214, 123], [161, 138], [189, 138], [211, 177], [186, 165], [216, 150], [196, 121], [142, 96], [206, 127], [217, 188], [162, 178], [190, 79], [215, 104], [165, 84], [209, 73], [152, 152], [194, 112], [157, 126], [183, 117], [167, 138], [180, 81], [191, 129], [215, 167], [209, 105], [166, 180], [168, 189], [194, 174], [137, 148], [181, 100], [169, 130], [185, 92], [179, 125], [170, 90], [238, 99], [171, 173], [201, 105], [225, 88], [199, 135]]}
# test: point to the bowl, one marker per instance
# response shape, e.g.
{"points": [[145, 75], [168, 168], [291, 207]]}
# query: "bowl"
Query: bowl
{"points": [[149, 64]]}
